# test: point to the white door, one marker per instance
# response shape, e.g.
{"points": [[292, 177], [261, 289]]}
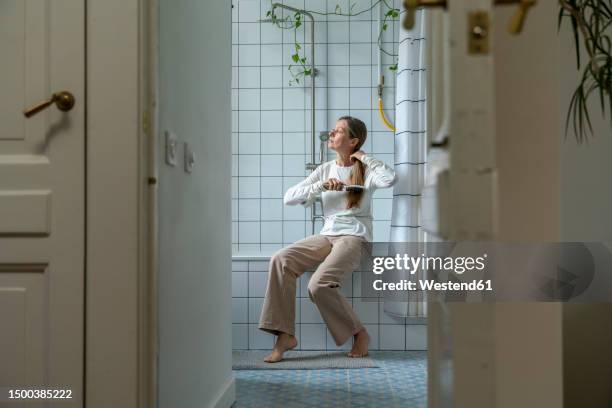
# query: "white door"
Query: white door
{"points": [[42, 197], [479, 352]]}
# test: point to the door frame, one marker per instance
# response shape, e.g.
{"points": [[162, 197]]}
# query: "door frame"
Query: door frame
{"points": [[120, 283]]}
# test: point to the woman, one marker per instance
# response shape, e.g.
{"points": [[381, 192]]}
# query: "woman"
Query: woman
{"points": [[337, 248]]}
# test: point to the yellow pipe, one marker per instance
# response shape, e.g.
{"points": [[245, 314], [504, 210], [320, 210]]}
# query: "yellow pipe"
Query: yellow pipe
{"points": [[382, 115]]}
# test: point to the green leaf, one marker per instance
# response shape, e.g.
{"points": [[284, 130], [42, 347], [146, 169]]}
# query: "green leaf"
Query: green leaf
{"points": [[338, 10], [298, 46], [307, 72], [384, 27], [393, 67], [295, 57]]}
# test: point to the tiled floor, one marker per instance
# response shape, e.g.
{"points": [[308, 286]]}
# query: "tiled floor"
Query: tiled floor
{"points": [[400, 381]]}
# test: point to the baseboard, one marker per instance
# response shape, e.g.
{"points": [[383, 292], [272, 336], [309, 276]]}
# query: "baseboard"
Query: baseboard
{"points": [[227, 396]]}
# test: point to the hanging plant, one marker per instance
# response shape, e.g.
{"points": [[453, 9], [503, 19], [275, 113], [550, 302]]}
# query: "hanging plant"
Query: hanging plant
{"points": [[591, 20], [301, 67]]}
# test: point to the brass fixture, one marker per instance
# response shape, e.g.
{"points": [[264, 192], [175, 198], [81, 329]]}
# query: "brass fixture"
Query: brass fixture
{"points": [[411, 6], [518, 19], [478, 32], [516, 22], [64, 101]]}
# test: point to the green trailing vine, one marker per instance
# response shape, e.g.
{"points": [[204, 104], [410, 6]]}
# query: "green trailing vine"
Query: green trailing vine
{"points": [[301, 68], [591, 20]]}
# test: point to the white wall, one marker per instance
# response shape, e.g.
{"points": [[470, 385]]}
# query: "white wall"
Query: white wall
{"points": [[194, 211]]}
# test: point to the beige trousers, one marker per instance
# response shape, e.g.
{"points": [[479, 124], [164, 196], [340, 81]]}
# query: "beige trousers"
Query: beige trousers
{"points": [[337, 255]]}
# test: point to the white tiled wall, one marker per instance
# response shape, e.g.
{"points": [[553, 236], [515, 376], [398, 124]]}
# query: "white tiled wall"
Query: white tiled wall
{"points": [[249, 279], [271, 120]]}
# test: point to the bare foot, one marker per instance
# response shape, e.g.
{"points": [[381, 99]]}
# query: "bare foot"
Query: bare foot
{"points": [[360, 345], [284, 342]]}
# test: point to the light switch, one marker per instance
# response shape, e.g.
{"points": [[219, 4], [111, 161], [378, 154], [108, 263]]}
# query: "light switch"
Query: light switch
{"points": [[171, 148], [189, 158]]}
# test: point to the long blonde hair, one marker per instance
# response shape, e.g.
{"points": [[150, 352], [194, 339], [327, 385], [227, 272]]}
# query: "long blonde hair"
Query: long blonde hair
{"points": [[356, 129]]}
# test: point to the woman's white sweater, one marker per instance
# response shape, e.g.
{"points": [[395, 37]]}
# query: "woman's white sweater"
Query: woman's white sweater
{"points": [[340, 220]]}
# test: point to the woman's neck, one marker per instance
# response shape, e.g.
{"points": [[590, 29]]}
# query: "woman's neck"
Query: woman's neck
{"points": [[343, 160]]}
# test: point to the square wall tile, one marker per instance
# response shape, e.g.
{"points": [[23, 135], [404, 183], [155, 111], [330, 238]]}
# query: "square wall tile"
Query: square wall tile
{"points": [[248, 209], [374, 336], [239, 284], [271, 232], [255, 305], [248, 121], [248, 33], [338, 32], [381, 230], [239, 310], [294, 165], [240, 336], [361, 31], [293, 98], [338, 54], [259, 339], [271, 143], [386, 318], [338, 99], [382, 142], [416, 337], [271, 99], [338, 76], [248, 187], [248, 55], [366, 310], [271, 187], [272, 210], [361, 98], [248, 143], [294, 143], [312, 336], [257, 284], [294, 121], [271, 77], [361, 54], [272, 121], [271, 34], [381, 208], [248, 10], [271, 54], [392, 337], [361, 76], [272, 165], [248, 232]]}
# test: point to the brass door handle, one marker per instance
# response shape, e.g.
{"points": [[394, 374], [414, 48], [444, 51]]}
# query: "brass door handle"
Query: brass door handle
{"points": [[64, 101], [518, 19]]}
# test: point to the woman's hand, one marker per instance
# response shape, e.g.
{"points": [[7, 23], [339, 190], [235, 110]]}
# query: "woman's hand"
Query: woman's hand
{"points": [[333, 184], [357, 155]]}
